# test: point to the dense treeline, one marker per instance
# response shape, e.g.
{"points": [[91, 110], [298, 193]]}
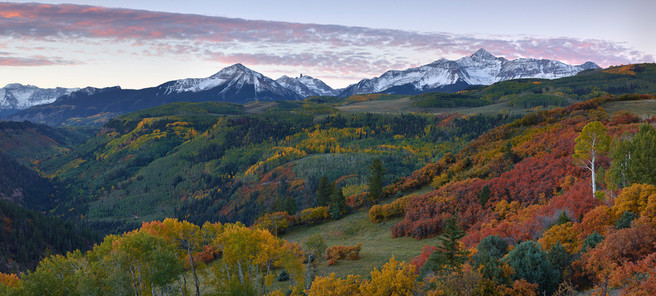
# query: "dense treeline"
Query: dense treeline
{"points": [[534, 100], [27, 237], [24, 186]]}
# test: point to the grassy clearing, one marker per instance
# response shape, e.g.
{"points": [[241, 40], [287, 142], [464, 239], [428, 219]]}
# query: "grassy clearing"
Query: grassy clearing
{"points": [[377, 243], [643, 108]]}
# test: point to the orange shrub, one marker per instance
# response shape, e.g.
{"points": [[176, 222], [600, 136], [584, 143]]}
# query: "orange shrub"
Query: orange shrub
{"points": [[599, 219], [335, 253], [207, 255], [520, 287], [356, 201], [10, 280]]}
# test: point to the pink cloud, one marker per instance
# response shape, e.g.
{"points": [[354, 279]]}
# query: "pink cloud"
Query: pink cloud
{"points": [[345, 50], [31, 61]]}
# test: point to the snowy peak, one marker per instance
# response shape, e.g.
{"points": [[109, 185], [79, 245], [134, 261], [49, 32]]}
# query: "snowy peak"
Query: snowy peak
{"points": [[17, 96], [306, 86], [482, 54], [233, 83], [481, 68]]}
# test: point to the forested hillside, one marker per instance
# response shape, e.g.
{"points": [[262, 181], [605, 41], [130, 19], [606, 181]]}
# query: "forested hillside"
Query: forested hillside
{"points": [[210, 162], [28, 237]]}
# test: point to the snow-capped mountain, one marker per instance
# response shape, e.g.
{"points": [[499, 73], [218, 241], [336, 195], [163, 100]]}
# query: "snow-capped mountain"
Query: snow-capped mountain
{"points": [[17, 96], [306, 86], [481, 68], [233, 83]]}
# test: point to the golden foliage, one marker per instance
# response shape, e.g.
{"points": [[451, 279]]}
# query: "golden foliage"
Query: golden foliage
{"points": [[10, 280], [394, 278], [378, 213], [312, 215], [634, 199], [623, 70], [563, 233], [333, 286]]}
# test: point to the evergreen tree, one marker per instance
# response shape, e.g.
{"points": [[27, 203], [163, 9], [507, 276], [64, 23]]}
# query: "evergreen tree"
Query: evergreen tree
{"points": [[591, 241], [558, 257], [484, 196], [490, 250], [376, 180], [625, 220], [448, 256], [290, 205], [338, 206], [493, 246], [324, 190], [531, 263], [563, 218]]}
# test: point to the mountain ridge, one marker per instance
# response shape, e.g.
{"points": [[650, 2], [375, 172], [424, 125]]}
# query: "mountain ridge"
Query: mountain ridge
{"points": [[16, 96], [481, 68], [239, 84]]}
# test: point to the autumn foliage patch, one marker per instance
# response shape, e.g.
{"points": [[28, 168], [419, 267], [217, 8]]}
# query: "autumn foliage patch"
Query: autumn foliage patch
{"points": [[335, 253]]}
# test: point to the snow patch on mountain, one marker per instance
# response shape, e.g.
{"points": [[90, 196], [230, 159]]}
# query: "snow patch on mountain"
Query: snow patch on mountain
{"points": [[18, 96], [481, 68], [230, 80], [306, 86]]}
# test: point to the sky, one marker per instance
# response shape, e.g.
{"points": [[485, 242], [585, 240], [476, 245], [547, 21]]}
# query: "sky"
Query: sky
{"points": [[144, 43]]}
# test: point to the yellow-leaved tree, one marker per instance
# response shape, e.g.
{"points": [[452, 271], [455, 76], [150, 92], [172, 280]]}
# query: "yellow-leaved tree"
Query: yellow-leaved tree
{"points": [[394, 278]]}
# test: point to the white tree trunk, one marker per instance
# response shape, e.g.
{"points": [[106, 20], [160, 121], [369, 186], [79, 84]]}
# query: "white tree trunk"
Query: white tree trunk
{"points": [[592, 169]]}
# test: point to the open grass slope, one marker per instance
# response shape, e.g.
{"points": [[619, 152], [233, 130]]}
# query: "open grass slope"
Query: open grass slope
{"points": [[376, 239]]}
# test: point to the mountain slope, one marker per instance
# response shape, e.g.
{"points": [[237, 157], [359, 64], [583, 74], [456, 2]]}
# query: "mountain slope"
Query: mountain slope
{"points": [[24, 144], [26, 237], [199, 165], [15, 96], [306, 86], [90, 106], [481, 68], [232, 84]]}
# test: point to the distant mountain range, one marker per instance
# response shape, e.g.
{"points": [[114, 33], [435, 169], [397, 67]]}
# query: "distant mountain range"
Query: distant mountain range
{"points": [[481, 68], [15, 96], [239, 84]]}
